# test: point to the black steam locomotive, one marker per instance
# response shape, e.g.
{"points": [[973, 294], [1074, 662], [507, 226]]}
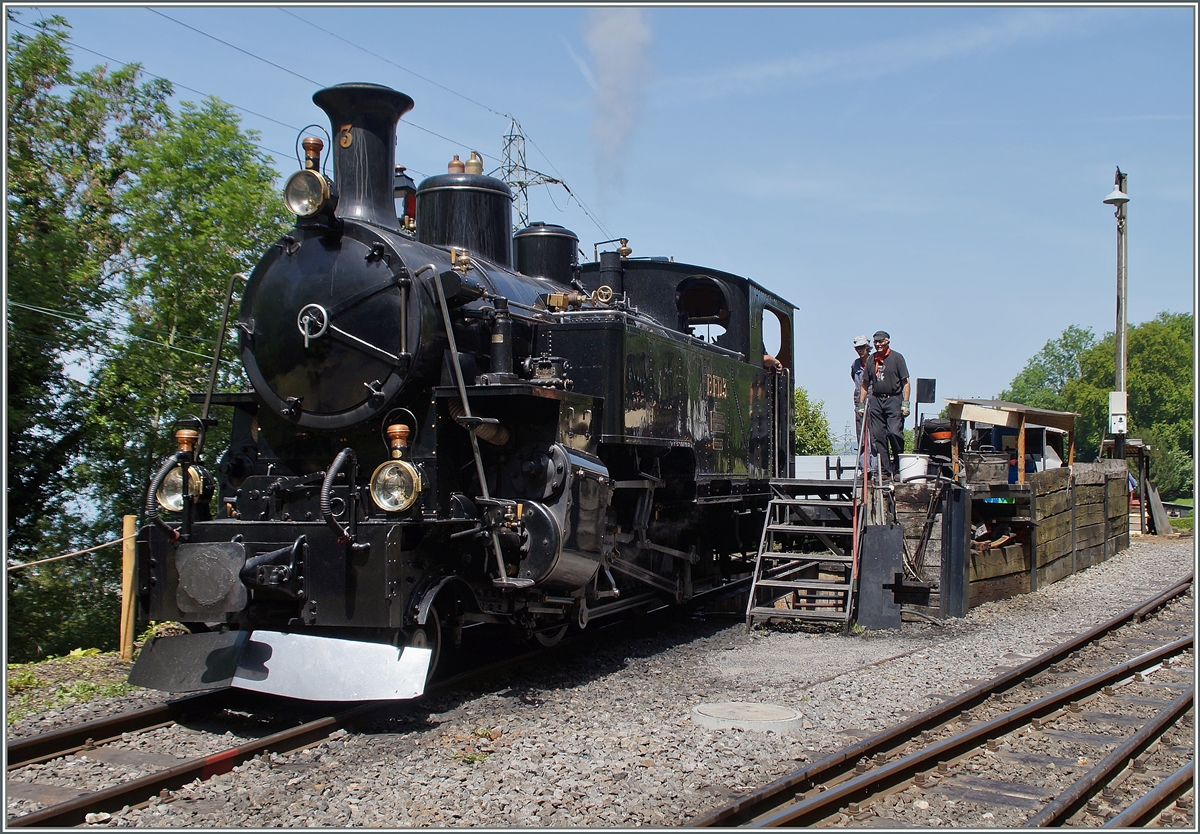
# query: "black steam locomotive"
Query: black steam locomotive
{"points": [[443, 434]]}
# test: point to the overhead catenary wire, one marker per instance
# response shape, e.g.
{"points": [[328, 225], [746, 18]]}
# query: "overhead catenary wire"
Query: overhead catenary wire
{"points": [[76, 45], [175, 348], [561, 179]]}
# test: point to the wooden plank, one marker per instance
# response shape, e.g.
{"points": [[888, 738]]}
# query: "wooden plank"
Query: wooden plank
{"points": [[1116, 488], [1051, 528], [1089, 514], [1005, 587], [1089, 493], [1053, 549], [1088, 473], [1088, 556], [1051, 480], [1000, 561], [1090, 536], [1054, 571], [979, 414], [1052, 503]]}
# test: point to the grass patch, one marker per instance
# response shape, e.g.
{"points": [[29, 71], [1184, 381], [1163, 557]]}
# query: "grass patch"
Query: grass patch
{"points": [[79, 677], [1188, 523]]}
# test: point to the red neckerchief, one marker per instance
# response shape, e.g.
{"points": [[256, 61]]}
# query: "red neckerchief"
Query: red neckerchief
{"points": [[880, 356]]}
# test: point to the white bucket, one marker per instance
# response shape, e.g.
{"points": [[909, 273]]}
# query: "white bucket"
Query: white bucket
{"points": [[913, 465]]}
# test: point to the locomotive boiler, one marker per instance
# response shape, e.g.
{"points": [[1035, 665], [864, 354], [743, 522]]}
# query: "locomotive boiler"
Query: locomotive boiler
{"points": [[450, 425]]}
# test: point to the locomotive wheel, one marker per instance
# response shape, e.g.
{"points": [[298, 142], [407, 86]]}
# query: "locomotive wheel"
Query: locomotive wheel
{"points": [[426, 636], [550, 637]]}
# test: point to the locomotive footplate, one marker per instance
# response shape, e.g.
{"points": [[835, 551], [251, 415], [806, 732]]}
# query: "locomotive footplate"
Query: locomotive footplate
{"points": [[306, 666]]}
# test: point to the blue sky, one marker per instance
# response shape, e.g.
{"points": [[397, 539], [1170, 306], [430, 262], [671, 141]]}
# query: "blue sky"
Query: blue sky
{"points": [[934, 172]]}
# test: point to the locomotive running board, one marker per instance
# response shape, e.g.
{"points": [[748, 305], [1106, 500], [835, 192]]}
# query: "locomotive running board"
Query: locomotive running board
{"points": [[293, 665]]}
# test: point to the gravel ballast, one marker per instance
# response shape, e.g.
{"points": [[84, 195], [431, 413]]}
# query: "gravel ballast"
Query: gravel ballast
{"points": [[606, 739]]}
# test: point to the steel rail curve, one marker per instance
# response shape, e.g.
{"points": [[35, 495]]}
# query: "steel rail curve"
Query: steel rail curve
{"points": [[1074, 797], [70, 739], [74, 811], [61, 742], [782, 790], [807, 811], [1152, 804]]}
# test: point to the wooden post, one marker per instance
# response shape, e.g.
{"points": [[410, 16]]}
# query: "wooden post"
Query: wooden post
{"points": [[1071, 447], [128, 598], [1021, 450], [1033, 539], [954, 449]]}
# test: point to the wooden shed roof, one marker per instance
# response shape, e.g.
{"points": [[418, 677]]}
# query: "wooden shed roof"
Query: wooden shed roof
{"points": [[1002, 413]]}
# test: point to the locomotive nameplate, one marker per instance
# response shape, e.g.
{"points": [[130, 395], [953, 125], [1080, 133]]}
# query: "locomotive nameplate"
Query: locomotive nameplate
{"points": [[716, 386]]}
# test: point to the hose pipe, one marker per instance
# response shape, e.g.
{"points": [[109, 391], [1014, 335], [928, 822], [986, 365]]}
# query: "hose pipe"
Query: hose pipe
{"points": [[152, 501], [496, 435], [344, 533]]}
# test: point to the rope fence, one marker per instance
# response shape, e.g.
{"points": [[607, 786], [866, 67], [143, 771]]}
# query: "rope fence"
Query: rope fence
{"points": [[78, 552]]}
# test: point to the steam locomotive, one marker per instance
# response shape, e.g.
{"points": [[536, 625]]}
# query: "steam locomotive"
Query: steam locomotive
{"points": [[451, 424]]}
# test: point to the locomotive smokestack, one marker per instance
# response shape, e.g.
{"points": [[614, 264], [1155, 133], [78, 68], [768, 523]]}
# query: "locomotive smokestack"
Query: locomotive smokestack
{"points": [[363, 118]]}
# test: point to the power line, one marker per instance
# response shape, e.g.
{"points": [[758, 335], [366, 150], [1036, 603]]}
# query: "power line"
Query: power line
{"points": [[237, 48], [67, 317], [143, 71], [394, 64], [536, 179], [561, 180]]}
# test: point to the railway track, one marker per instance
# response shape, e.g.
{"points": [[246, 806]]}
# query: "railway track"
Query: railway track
{"points": [[1094, 731], [31, 762]]}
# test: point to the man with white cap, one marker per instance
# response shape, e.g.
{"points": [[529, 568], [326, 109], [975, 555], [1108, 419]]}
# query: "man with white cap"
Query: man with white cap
{"points": [[886, 378], [857, 368]]}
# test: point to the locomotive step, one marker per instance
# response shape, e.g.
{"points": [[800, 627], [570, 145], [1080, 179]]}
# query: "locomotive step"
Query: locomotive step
{"points": [[802, 584], [810, 529], [813, 483], [812, 558], [797, 614], [813, 502]]}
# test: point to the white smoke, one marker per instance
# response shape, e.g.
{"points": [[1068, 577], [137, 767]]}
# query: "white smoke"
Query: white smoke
{"points": [[619, 40]]}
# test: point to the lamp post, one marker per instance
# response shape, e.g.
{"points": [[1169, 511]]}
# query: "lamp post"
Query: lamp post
{"points": [[1118, 403]]}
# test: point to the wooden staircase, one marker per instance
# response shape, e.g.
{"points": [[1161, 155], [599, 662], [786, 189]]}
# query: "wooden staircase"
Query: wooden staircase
{"points": [[807, 553]]}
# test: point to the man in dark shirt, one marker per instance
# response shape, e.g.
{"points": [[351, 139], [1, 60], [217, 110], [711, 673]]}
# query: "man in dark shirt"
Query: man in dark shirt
{"points": [[886, 378]]}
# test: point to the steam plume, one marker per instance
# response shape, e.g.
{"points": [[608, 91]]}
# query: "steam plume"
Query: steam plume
{"points": [[619, 40]]}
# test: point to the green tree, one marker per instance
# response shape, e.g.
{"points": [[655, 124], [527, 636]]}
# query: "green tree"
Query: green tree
{"points": [[125, 224], [1041, 382], [812, 426], [1161, 397], [1076, 373], [203, 208], [68, 142]]}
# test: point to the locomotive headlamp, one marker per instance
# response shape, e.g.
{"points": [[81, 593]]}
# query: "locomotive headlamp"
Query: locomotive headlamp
{"points": [[170, 493], [395, 486], [306, 193]]}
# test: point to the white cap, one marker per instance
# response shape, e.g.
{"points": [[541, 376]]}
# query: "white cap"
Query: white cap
{"points": [[861, 341]]}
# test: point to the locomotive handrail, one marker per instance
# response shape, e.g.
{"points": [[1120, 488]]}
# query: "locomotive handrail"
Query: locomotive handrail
{"points": [[502, 579], [212, 373]]}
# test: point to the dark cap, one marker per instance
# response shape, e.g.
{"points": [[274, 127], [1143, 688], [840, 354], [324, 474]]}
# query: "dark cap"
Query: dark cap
{"points": [[881, 335]]}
